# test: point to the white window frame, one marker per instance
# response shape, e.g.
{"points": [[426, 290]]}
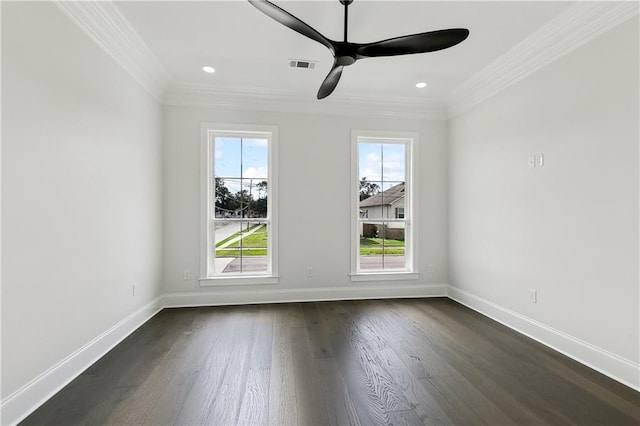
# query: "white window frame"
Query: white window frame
{"points": [[410, 141], [207, 250]]}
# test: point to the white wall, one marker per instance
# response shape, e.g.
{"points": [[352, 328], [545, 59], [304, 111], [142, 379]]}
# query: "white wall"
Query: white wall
{"points": [[81, 192], [568, 229], [314, 172]]}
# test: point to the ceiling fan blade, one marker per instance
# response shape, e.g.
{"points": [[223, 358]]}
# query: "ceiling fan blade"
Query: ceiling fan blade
{"points": [[288, 20], [330, 82], [415, 43]]}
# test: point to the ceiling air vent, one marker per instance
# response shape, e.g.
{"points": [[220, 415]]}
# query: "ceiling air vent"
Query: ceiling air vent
{"points": [[302, 63]]}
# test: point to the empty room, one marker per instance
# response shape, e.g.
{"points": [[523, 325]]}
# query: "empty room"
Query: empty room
{"points": [[326, 212]]}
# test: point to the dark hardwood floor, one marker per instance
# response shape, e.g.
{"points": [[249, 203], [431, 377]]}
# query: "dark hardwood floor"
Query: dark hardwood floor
{"points": [[401, 362]]}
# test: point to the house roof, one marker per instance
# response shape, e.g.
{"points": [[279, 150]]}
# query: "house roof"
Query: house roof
{"points": [[385, 198]]}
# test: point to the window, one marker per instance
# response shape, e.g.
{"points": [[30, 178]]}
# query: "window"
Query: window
{"points": [[382, 205], [238, 201]]}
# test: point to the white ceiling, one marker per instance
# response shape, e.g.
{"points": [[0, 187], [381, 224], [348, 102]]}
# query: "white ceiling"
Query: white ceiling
{"points": [[250, 51]]}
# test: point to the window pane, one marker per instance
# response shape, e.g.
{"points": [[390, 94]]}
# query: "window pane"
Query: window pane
{"points": [[253, 198], [381, 179], [394, 237], [382, 246], [226, 204], [369, 161], [227, 157], [255, 159], [371, 200], [241, 176], [225, 234], [393, 162], [388, 196], [244, 249], [255, 175]]}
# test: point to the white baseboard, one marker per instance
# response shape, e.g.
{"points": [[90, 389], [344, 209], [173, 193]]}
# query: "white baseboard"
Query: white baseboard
{"points": [[607, 363], [242, 296], [17, 406]]}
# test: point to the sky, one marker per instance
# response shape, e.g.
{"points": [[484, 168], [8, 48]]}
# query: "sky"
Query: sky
{"points": [[233, 154], [381, 163]]}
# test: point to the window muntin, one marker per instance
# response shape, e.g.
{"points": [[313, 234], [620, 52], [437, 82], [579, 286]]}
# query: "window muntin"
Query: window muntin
{"points": [[239, 223], [382, 241]]}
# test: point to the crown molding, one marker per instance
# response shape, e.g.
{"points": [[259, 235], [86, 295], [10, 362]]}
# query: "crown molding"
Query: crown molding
{"points": [[107, 26], [279, 101], [572, 28]]}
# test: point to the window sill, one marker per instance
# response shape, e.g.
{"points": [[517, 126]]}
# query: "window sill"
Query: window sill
{"points": [[385, 276], [238, 280]]}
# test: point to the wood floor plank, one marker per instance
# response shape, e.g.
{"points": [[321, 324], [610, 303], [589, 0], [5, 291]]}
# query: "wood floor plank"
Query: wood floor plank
{"points": [[212, 385], [369, 408], [527, 378], [161, 396], [412, 359], [310, 402], [368, 405], [318, 336], [379, 362], [117, 376], [513, 345], [493, 397], [405, 418], [340, 407], [366, 345], [425, 407], [225, 408], [281, 394], [254, 408]]}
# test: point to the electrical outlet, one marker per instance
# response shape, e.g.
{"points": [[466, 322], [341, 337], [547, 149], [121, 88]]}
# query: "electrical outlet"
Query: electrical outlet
{"points": [[133, 289], [432, 268], [539, 160], [531, 161], [186, 275], [533, 296], [309, 271]]}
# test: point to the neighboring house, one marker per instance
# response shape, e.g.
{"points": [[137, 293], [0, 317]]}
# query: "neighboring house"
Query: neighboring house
{"points": [[388, 204]]}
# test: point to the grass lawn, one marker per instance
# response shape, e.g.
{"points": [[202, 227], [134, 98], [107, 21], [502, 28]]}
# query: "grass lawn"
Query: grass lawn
{"points": [[237, 234], [373, 246], [251, 245], [231, 252]]}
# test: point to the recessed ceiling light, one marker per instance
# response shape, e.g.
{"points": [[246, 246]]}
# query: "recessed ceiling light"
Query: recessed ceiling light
{"points": [[421, 85], [208, 69]]}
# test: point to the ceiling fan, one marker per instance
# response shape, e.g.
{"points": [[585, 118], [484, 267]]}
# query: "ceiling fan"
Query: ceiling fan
{"points": [[346, 53]]}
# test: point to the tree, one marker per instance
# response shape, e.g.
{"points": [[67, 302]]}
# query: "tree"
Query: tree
{"points": [[259, 207], [368, 189], [225, 202], [262, 187]]}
